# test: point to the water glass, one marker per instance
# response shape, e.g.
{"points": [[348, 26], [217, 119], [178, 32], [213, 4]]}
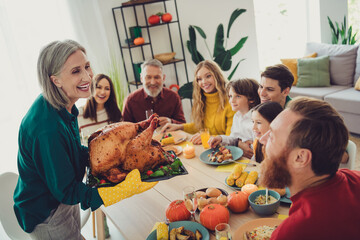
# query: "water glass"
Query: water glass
{"points": [[205, 136], [222, 231]]}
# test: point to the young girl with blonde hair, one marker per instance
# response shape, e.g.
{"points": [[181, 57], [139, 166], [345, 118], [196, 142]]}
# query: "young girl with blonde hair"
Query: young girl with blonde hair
{"points": [[211, 108]]}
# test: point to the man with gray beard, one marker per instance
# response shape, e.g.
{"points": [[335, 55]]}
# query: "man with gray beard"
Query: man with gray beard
{"points": [[304, 147], [153, 97]]}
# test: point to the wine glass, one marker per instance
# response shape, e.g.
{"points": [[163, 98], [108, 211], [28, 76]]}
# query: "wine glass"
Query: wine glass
{"points": [[148, 113], [190, 200]]}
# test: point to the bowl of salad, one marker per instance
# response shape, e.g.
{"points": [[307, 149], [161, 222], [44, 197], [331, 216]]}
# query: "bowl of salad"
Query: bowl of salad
{"points": [[258, 203]]}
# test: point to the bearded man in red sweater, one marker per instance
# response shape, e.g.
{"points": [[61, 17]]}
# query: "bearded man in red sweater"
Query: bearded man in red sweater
{"points": [[304, 147]]}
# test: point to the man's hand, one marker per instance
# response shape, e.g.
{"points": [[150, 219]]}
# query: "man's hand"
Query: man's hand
{"points": [[196, 139], [164, 120], [214, 141], [169, 127], [246, 147]]}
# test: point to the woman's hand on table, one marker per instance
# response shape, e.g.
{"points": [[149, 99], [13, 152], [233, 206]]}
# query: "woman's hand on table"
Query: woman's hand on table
{"points": [[168, 127], [214, 141], [196, 139], [164, 120], [246, 147]]}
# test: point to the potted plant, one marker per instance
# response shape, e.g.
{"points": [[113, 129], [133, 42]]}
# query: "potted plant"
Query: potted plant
{"points": [[342, 35]]}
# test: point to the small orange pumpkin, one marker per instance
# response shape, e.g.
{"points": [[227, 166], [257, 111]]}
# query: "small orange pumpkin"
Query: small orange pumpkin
{"points": [[213, 214], [139, 41], [177, 211], [238, 201]]}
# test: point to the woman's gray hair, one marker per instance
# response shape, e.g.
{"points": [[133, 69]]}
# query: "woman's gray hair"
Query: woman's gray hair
{"points": [[51, 60]]}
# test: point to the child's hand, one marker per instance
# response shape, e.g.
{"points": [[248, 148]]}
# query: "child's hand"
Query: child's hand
{"points": [[246, 147], [214, 141]]}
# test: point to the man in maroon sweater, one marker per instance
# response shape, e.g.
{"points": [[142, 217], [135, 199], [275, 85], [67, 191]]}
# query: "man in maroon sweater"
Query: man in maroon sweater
{"points": [[163, 101], [304, 147]]}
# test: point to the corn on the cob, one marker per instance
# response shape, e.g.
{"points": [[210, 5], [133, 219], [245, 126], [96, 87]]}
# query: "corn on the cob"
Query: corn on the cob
{"points": [[236, 171], [162, 232], [168, 140], [230, 180], [251, 179], [241, 180]]}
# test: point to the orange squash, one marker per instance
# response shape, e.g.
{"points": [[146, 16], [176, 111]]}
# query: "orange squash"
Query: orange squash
{"points": [[213, 214], [238, 201], [177, 211], [139, 41]]}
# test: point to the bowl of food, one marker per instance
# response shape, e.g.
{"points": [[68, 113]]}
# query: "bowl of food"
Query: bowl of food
{"points": [[165, 57], [257, 202]]}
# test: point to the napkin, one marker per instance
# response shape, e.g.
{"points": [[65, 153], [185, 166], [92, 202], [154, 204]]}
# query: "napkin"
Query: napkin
{"points": [[229, 167], [155, 226], [282, 216]]}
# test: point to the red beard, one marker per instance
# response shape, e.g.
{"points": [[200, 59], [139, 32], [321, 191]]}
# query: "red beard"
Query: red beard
{"points": [[274, 172]]}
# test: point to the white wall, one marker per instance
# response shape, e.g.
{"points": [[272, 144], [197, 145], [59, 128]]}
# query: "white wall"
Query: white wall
{"points": [[207, 14]]}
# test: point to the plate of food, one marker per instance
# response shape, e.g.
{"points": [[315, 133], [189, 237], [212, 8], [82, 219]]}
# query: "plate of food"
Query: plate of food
{"points": [[159, 173], [176, 149], [211, 195], [261, 228], [221, 155], [242, 180], [174, 137], [182, 228]]}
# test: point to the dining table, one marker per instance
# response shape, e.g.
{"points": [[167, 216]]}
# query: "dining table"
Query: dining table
{"points": [[136, 216]]}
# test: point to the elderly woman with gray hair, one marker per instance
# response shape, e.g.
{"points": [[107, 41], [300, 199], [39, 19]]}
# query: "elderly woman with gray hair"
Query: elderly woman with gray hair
{"points": [[51, 159]]}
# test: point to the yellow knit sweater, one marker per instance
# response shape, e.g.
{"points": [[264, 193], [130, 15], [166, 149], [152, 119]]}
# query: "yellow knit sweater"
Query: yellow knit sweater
{"points": [[218, 122]]}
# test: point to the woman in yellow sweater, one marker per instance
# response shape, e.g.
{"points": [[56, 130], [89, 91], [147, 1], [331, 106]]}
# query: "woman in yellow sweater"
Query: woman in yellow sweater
{"points": [[211, 107]]}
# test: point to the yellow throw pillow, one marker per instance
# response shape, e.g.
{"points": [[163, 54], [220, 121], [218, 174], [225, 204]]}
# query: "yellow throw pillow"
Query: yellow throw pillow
{"points": [[357, 84], [291, 63]]}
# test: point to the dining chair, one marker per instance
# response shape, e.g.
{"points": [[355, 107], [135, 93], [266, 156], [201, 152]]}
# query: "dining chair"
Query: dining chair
{"points": [[351, 150], [8, 219]]}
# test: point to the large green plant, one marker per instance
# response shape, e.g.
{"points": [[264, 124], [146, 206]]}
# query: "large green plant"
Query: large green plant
{"points": [[342, 35], [221, 55]]}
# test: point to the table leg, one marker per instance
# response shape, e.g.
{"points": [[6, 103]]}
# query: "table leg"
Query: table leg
{"points": [[100, 224]]}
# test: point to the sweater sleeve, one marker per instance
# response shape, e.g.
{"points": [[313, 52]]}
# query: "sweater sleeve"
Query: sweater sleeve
{"points": [[190, 128], [229, 119], [127, 114]]}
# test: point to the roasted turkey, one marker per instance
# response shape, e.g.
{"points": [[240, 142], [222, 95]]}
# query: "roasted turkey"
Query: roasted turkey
{"points": [[118, 148]]}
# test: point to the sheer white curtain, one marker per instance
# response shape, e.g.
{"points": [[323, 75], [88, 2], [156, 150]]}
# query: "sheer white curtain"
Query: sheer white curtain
{"points": [[25, 27]]}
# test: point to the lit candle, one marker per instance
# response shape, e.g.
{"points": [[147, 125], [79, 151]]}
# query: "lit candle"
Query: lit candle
{"points": [[189, 151]]}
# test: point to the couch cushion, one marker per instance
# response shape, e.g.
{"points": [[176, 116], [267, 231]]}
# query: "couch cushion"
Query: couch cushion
{"points": [[315, 92], [347, 100], [357, 68], [313, 72], [342, 61], [291, 63]]}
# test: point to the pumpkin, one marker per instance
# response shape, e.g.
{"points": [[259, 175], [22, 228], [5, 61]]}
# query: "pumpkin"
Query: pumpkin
{"points": [[154, 19], [238, 202], [249, 188], [166, 17], [139, 41], [176, 211], [213, 214]]}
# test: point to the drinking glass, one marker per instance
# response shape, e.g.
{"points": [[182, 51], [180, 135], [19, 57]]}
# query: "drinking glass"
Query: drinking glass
{"points": [[148, 113], [222, 231], [205, 136], [190, 200]]}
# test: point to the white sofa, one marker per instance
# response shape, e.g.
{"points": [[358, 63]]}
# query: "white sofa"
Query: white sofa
{"points": [[344, 72]]}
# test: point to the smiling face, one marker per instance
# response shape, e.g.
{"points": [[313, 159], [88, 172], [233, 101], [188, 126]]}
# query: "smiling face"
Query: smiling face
{"points": [[206, 80], [238, 102], [153, 79], [75, 77], [260, 124], [102, 92], [270, 91]]}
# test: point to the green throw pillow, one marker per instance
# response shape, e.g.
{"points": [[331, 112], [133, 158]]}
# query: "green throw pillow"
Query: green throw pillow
{"points": [[313, 72]]}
